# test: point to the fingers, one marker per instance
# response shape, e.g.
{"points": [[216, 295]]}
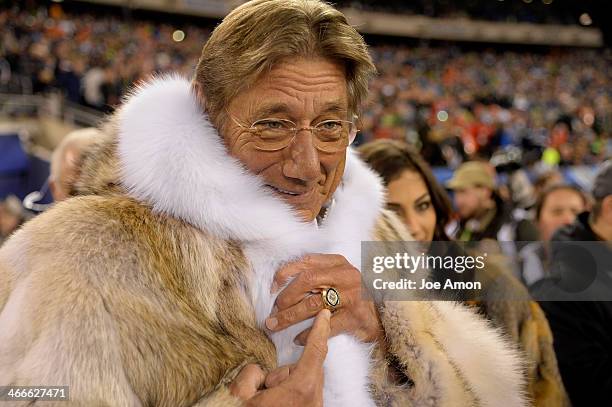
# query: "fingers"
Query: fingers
{"points": [[315, 349], [284, 274], [248, 382], [278, 375], [307, 308], [339, 323], [315, 279]]}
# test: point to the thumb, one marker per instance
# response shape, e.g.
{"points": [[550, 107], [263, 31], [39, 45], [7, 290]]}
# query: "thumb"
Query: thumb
{"points": [[248, 382], [277, 376], [315, 349]]}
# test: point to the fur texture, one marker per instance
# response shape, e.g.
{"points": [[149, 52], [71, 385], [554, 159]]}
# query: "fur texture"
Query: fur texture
{"points": [[160, 281], [224, 198]]}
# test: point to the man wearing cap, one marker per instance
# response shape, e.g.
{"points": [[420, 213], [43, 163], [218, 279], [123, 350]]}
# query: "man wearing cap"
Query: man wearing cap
{"points": [[582, 322], [482, 212]]}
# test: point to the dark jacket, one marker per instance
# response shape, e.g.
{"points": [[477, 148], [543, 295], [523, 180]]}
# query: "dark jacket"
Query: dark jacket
{"points": [[503, 227], [502, 224], [582, 330]]}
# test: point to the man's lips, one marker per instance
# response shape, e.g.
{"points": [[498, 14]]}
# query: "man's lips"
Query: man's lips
{"points": [[285, 191], [293, 195]]}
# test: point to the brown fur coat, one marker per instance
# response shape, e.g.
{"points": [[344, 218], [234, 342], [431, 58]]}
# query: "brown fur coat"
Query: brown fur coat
{"points": [[137, 293]]}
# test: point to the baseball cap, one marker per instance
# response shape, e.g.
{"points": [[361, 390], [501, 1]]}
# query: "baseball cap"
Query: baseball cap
{"points": [[472, 174]]}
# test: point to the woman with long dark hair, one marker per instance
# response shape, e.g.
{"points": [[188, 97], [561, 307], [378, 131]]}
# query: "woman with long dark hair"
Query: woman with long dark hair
{"points": [[422, 203]]}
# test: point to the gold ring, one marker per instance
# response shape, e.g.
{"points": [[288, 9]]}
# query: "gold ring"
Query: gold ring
{"points": [[331, 298]]}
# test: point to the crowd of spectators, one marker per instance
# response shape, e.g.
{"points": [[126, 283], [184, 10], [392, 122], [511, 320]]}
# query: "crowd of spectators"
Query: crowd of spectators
{"points": [[452, 103], [92, 59], [456, 103]]}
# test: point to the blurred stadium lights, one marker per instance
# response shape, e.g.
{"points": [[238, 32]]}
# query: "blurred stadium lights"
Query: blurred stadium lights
{"points": [[547, 1], [178, 36], [442, 115], [585, 19]]}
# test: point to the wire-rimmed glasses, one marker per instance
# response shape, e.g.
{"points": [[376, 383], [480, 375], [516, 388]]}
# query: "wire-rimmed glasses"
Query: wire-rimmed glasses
{"points": [[272, 134]]}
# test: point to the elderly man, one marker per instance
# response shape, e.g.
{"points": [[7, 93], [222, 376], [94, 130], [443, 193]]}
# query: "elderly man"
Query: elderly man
{"points": [[66, 161], [217, 218]]}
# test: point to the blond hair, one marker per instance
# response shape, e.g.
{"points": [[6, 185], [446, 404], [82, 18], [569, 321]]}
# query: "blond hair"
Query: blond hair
{"points": [[260, 33]]}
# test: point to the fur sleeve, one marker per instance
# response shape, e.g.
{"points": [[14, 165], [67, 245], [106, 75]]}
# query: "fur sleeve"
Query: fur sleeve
{"points": [[220, 398], [446, 354], [36, 347], [123, 307], [449, 357]]}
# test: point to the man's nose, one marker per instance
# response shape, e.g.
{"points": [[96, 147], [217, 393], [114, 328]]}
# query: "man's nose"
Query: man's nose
{"points": [[568, 218], [303, 163]]}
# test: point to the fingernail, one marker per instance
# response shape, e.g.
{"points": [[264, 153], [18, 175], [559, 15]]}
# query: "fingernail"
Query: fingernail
{"points": [[274, 309], [271, 323], [326, 314]]}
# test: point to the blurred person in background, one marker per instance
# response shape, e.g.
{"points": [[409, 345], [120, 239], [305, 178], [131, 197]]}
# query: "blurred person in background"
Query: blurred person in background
{"points": [[581, 326], [66, 161], [412, 190], [422, 203], [545, 180], [93, 81], [557, 206], [482, 213], [12, 215]]}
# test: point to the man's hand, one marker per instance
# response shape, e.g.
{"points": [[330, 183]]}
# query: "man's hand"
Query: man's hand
{"points": [[301, 299], [296, 385]]}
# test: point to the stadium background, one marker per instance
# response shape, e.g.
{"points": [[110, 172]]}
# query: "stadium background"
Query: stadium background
{"points": [[521, 83]]}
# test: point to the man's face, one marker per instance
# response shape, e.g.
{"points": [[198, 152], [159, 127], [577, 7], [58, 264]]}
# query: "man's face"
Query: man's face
{"points": [[305, 91], [560, 208], [471, 200]]}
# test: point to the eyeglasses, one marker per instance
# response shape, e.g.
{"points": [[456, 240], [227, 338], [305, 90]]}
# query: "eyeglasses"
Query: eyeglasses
{"points": [[271, 134]]}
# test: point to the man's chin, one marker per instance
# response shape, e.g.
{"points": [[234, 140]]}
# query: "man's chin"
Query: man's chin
{"points": [[306, 215], [302, 204]]}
